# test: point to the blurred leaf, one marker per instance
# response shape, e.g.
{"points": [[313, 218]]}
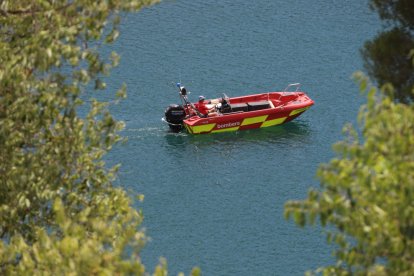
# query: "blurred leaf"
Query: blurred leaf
{"points": [[60, 212]]}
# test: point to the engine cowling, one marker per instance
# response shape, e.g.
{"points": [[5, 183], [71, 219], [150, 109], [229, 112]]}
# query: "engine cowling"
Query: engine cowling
{"points": [[174, 115]]}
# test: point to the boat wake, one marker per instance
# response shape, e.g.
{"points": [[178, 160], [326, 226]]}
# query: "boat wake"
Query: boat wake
{"points": [[148, 132]]}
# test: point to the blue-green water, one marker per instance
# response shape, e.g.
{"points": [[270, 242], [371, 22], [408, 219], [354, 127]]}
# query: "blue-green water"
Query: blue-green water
{"points": [[216, 201]]}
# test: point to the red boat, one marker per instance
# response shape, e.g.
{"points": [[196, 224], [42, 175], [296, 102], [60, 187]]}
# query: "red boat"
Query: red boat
{"points": [[236, 113]]}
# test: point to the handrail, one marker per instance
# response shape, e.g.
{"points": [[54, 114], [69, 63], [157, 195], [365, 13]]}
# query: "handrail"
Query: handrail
{"points": [[292, 84]]}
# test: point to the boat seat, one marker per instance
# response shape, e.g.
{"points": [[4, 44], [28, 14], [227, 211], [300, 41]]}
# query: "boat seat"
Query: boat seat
{"points": [[258, 105], [239, 107]]}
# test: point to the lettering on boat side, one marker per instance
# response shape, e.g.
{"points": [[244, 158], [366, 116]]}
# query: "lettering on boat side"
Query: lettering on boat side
{"points": [[228, 125]]}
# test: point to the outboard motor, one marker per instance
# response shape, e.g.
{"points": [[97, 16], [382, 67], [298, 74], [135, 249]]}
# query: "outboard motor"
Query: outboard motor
{"points": [[174, 115]]}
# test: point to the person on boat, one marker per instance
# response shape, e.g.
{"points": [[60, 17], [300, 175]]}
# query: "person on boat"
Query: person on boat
{"points": [[207, 108]]}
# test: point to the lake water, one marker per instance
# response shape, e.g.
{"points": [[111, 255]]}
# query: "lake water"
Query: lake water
{"points": [[217, 201]]}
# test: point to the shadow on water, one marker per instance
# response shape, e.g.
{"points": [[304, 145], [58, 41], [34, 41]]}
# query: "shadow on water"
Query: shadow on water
{"points": [[158, 140], [292, 132]]}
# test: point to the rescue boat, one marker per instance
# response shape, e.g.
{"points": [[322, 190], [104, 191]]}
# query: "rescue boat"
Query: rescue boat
{"points": [[237, 113]]}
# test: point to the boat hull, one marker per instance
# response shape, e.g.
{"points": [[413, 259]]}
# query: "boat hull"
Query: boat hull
{"points": [[283, 107]]}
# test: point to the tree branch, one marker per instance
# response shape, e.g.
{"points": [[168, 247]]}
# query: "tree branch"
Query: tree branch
{"points": [[28, 11]]}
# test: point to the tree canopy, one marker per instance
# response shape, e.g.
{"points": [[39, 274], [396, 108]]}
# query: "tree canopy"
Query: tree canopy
{"points": [[367, 192], [59, 210], [366, 199]]}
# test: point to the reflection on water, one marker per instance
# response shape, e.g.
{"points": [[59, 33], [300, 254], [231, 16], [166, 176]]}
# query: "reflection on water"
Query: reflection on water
{"points": [[159, 142], [292, 132]]}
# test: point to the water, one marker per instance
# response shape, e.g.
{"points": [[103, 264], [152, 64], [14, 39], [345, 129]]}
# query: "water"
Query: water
{"points": [[216, 201]]}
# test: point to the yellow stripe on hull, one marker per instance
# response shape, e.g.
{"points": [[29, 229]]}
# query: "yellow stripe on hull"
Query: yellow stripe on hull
{"points": [[273, 122], [188, 128], [203, 128], [254, 120], [296, 111]]}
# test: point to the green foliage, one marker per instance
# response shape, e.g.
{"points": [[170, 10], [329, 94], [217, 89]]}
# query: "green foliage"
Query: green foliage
{"points": [[366, 199], [59, 211], [388, 57], [367, 192]]}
